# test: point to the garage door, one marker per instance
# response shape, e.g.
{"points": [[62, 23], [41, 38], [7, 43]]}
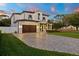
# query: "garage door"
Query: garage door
{"points": [[28, 28]]}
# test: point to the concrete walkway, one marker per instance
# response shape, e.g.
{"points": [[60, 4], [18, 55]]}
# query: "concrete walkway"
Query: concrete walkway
{"points": [[50, 42]]}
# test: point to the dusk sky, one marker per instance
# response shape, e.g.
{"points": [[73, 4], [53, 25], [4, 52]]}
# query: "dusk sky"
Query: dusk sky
{"points": [[50, 8]]}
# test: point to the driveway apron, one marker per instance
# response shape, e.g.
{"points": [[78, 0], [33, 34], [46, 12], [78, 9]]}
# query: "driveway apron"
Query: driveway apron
{"points": [[50, 42]]}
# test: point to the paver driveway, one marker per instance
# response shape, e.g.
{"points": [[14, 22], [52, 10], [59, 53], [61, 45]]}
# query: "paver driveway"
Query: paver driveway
{"points": [[50, 42]]}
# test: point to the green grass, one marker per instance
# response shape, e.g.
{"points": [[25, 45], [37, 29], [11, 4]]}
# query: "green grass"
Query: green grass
{"points": [[11, 46], [67, 34]]}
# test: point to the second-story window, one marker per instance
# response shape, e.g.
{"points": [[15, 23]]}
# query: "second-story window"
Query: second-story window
{"points": [[30, 17], [38, 16], [44, 18]]}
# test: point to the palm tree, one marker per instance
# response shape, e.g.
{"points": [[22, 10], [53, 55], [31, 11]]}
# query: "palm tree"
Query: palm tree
{"points": [[59, 17]]}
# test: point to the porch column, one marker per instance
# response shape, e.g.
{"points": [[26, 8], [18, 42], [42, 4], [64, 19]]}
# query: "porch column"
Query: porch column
{"points": [[50, 26], [20, 28], [38, 28]]}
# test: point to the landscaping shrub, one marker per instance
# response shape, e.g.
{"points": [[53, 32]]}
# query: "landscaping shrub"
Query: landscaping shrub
{"points": [[15, 32], [52, 31], [0, 34], [0, 38]]}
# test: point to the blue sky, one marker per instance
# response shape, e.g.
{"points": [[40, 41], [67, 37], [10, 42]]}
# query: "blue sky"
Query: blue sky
{"points": [[50, 8]]}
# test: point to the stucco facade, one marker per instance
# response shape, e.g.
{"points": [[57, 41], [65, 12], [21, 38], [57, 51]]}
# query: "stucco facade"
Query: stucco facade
{"points": [[38, 19]]}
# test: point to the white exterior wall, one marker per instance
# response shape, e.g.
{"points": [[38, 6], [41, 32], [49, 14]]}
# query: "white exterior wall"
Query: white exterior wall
{"points": [[13, 24], [25, 16], [46, 18], [41, 17], [36, 16], [12, 21], [18, 25], [8, 29], [16, 17]]}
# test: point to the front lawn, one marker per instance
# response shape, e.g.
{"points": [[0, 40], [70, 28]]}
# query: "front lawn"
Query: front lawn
{"points": [[67, 34], [11, 46]]}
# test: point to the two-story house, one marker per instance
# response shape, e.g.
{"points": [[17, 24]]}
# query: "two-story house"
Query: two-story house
{"points": [[4, 17], [30, 21]]}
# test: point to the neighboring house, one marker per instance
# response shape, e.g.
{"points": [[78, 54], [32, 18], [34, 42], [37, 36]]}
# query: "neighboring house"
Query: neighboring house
{"points": [[29, 21], [3, 17], [68, 28]]}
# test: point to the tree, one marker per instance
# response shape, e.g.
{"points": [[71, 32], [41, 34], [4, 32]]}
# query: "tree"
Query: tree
{"points": [[59, 17], [66, 19], [57, 25], [5, 22], [50, 21], [74, 20]]}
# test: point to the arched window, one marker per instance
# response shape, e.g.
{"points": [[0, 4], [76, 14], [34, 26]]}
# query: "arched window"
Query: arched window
{"points": [[38, 16], [30, 17]]}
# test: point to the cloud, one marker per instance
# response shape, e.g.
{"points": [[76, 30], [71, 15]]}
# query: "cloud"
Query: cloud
{"points": [[53, 8], [2, 4], [71, 7], [76, 9]]}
